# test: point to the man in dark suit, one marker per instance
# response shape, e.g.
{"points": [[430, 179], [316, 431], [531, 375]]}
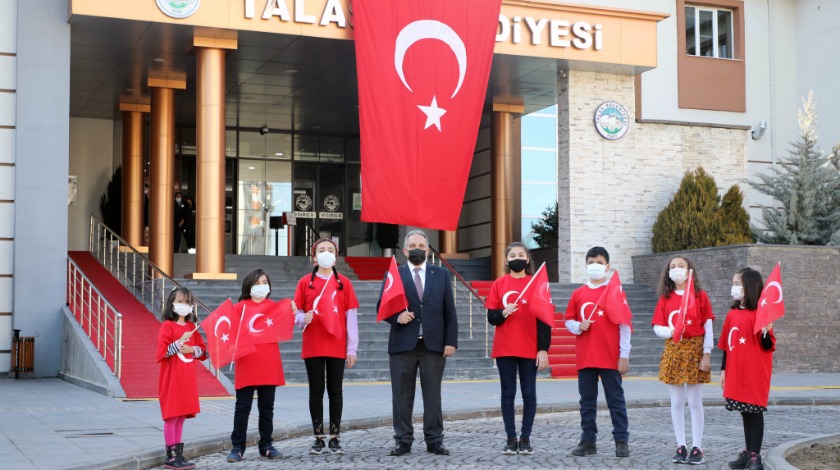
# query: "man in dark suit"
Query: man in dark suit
{"points": [[180, 220], [421, 338]]}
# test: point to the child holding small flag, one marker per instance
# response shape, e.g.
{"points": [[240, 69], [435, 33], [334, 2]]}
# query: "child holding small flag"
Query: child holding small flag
{"points": [[685, 361], [330, 339], [177, 349], [747, 362], [260, 371], [602, 350], [520, 344]]}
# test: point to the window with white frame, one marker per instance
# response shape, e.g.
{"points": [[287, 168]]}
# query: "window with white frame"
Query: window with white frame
{"points": [[708, 32]]}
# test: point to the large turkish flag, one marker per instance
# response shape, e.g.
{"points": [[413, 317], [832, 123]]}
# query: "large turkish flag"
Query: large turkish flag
{"points": [[423, 67]]}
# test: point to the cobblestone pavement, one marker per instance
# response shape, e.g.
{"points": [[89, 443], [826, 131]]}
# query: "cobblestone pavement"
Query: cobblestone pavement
{"points": [[477, 443]]}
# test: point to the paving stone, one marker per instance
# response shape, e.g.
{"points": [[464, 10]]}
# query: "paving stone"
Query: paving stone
{"points": [[477, 443]]}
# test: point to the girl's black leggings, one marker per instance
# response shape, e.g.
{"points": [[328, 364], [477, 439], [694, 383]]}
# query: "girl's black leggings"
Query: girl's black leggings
{"points": [[753, 430], [325, 372]]}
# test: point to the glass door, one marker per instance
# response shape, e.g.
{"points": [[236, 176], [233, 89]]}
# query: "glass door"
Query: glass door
{"points": [[265, 193], [320, 204]]}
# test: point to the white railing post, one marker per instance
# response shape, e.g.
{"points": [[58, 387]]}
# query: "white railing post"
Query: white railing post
{"points": [[118, 342]]}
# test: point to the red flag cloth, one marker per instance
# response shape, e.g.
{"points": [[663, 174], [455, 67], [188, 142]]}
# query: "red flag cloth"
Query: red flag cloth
{"points": [[771, 304], [222, 328], [265, 322], [538, 297], [393, 298], [326, 310], [687, 308], [614, 303], [423, 68], [279, 322]]}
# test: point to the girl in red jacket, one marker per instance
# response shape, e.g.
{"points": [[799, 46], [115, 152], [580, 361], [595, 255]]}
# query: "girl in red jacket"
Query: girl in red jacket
{"points": [[261, 372], [177, 350], [520, 344], [684, 366], [747, 364], [325, 354]]}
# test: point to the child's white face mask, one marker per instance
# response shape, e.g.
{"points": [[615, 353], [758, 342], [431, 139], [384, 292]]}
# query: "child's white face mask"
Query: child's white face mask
{"points": [[260, 290], [182, 309], [737, 292], [678, 275], [596, 271]]}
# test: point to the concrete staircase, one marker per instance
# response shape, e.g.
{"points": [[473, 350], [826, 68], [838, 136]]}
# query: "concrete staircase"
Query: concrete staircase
{"points": [[471, 361]]}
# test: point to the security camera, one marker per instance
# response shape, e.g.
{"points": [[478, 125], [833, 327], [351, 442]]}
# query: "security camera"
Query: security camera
{"points": [[759, 133], [263, 130]]}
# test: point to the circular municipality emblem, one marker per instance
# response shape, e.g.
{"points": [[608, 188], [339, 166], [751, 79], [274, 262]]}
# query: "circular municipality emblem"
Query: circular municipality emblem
{"points": [[331, 203], [611, 120], [178, 8], [303, 202]]}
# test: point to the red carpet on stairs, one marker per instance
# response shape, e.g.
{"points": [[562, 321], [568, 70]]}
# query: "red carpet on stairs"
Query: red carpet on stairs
{"points": [[369, 268], [139, 339], [561, 353]]}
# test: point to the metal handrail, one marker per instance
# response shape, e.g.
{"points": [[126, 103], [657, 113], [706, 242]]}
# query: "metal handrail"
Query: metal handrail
{"points": [[310, 235], [473, 294], [86, 303], [136, 272]]}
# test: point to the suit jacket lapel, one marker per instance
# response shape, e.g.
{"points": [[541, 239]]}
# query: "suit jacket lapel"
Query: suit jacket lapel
{"points": [[408, 281]]}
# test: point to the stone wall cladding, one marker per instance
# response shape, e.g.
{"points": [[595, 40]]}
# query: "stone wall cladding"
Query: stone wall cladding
{"points": [[807, 336], [610, 192]]}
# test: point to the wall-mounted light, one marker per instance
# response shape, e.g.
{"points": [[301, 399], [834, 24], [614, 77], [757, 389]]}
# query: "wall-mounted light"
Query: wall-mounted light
{"points": [[759, 133]]}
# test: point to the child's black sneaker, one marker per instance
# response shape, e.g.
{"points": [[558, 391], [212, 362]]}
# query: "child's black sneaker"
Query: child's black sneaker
{"points": [[695, 457], [270, 453], [512, 447], [755, 462], [681, 455], [335, 446], [742, 460], [235, 455], [525, 446], [318, 447], [584, 448]]}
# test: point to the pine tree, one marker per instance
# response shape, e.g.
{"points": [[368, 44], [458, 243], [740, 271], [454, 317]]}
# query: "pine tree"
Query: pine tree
{"points": [[807, 185], [689, 221], [546, 229], [734, 220]]}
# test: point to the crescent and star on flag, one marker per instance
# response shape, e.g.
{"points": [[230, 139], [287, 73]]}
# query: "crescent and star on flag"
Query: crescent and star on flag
{"points": [[430, 29], [773, 284]]}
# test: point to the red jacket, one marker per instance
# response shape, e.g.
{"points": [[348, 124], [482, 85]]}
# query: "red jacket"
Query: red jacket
{"points": [[263, 366], [598, 346], [177, 385], [748, 365]]}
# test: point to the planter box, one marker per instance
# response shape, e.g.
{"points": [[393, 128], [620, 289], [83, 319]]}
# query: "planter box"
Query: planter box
{"points": [[807, 335]]}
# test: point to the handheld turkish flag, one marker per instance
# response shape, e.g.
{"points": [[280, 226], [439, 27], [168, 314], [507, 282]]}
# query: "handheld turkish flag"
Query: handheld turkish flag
{"points": [[538, 297], [222, 329], [393, 298], [277, 322], [326, 308], [771, 304], [423, 68], [686, 305], [614, 303]]}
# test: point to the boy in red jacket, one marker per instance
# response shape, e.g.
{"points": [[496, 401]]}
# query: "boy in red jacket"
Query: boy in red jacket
{"points": [[603, 350]]}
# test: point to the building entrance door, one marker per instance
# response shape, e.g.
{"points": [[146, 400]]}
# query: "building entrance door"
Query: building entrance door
{"points": [[320, 204]]}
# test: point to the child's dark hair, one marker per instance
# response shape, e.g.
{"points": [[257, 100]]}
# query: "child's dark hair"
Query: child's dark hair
{"points": [[529, 268], [666, 285], [596, 251], [168, 312], [315, 268], [250, 279], [753, 285]]}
